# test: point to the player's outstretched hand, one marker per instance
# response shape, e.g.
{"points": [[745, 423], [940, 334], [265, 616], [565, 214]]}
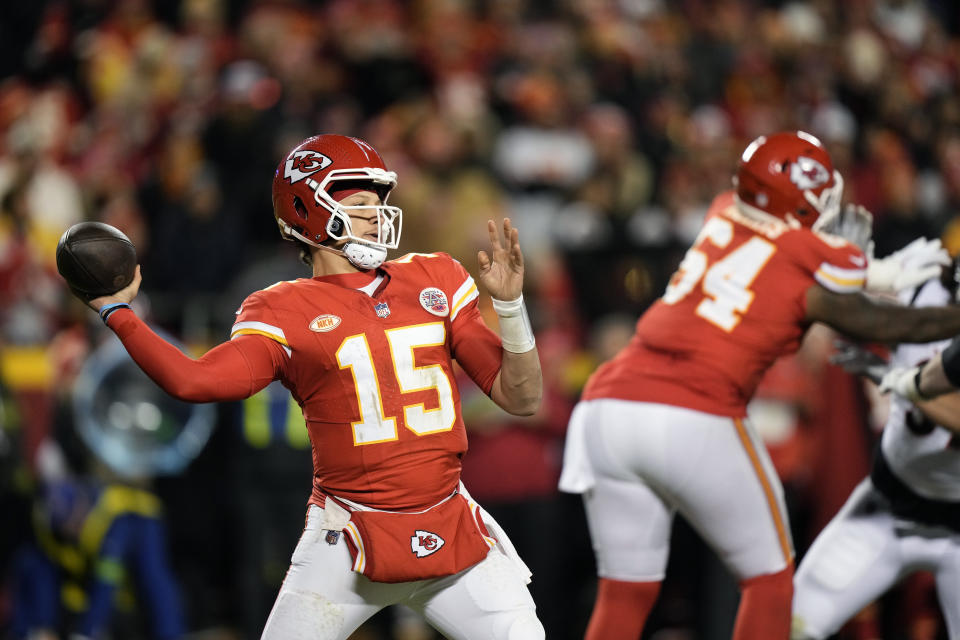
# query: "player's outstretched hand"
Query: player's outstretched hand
{"points": [[859, 361], [501, 272], [908, 267], [125, 295]]}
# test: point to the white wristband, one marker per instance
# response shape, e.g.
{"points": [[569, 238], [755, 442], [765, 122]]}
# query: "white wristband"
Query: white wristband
{"points": [[516, 334]]}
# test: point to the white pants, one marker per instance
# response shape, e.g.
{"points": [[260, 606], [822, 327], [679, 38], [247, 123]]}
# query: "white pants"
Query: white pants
{"points": [[638, 463], [862, 553], [322, 598]]}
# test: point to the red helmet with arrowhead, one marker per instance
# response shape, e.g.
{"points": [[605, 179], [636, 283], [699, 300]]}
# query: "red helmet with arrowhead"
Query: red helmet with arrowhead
{"points": [[789, 175], [320, 168]]}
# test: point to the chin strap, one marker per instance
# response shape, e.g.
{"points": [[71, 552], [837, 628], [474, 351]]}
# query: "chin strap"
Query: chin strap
{"points": [[363, 255], [360, 255]]}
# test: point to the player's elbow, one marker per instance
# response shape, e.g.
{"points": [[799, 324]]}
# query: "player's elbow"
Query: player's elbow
{"points": [[525, 402], [186, 390], [184, 393]]}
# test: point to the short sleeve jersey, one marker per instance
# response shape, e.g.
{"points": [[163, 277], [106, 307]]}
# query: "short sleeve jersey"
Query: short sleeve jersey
{"points": [[736, 303], [373, 374]]}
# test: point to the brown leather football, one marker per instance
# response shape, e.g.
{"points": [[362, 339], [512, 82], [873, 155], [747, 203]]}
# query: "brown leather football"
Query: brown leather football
{"points": [[95, 259]]}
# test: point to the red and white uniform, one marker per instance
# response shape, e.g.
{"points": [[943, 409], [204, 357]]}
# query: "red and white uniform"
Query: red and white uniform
{"points": [[661, 426], [369, 358], [378, 391], [735, 305]]}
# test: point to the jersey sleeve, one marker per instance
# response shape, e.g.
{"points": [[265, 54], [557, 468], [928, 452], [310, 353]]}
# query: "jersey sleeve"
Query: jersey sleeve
{"points": [[474, 345], [836, 264], [257, 317], [229, 371]]}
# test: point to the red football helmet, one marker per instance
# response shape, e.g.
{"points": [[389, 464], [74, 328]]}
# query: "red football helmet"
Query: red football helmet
{"points": [[306, 210], [789, 175]]}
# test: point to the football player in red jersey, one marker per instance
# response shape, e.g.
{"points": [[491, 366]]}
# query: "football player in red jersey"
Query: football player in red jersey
{"points": [[366, 347], [662, 427]]}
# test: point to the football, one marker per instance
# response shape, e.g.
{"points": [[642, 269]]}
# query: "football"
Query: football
{"points": [[95, 259]]}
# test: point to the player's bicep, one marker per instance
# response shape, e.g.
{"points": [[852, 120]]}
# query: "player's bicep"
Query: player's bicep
{"points": [[266, 359]]}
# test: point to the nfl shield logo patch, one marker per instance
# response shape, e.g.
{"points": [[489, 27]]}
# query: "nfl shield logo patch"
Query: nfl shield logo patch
{"points": [[382, 309]]}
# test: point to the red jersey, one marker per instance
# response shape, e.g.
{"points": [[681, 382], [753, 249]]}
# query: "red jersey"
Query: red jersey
{"points": [[372, 370], [736, 303]]}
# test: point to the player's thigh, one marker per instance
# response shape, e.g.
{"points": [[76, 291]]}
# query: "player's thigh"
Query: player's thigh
{"points": [[728, 490], [489, 601], [629, 528], [322, 598], [854, 560], [947, 575], [630, 450]]}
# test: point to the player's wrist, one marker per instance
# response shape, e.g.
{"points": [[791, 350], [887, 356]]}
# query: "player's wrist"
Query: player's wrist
{"points": [[905, 383], [516, 333], [109, 309]]}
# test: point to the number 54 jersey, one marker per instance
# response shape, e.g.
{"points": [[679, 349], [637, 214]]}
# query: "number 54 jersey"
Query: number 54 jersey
{"points": [[735, 304], [372, 369]]}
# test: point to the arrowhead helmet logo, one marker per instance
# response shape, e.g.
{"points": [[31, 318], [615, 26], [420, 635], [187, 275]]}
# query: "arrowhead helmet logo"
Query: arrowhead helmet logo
{"points": [[305, 163], [424, 543], [807, 173]]}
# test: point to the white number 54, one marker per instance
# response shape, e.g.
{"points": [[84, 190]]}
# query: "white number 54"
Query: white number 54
{"points": [[726, 284]]}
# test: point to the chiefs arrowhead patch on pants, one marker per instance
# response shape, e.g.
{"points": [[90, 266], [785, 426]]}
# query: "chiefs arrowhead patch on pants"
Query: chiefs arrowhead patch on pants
{"points": [[401, 547]]}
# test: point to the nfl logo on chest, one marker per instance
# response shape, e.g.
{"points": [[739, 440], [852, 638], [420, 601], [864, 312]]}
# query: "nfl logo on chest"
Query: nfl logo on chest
{"points": [[382, 309]]}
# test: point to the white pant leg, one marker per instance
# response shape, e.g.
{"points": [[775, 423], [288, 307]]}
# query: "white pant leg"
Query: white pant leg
{"points": [[855, 559], [488, 601], [935, 549], [948, 587], [322, 598], [711, 468], [733, 496], [630, 529]]}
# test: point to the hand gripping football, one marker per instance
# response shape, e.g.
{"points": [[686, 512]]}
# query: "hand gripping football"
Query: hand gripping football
{"points": [[95, 259]]}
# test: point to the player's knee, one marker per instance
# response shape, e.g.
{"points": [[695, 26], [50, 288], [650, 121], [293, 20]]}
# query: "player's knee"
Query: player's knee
{"points": [[304, 616], [499, 592], [525, 626], [495, 585]]}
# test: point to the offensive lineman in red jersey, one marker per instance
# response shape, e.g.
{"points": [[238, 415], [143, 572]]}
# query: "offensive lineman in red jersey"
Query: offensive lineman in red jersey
{"points": [[366, 348], [662, 427]]}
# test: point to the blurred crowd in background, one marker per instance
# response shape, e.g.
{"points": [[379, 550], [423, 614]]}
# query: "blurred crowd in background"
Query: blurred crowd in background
{"points": [[603, 128]]}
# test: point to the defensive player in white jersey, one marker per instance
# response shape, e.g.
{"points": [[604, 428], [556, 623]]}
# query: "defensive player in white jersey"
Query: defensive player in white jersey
{"points": [[903, 518], [366, 347]]}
